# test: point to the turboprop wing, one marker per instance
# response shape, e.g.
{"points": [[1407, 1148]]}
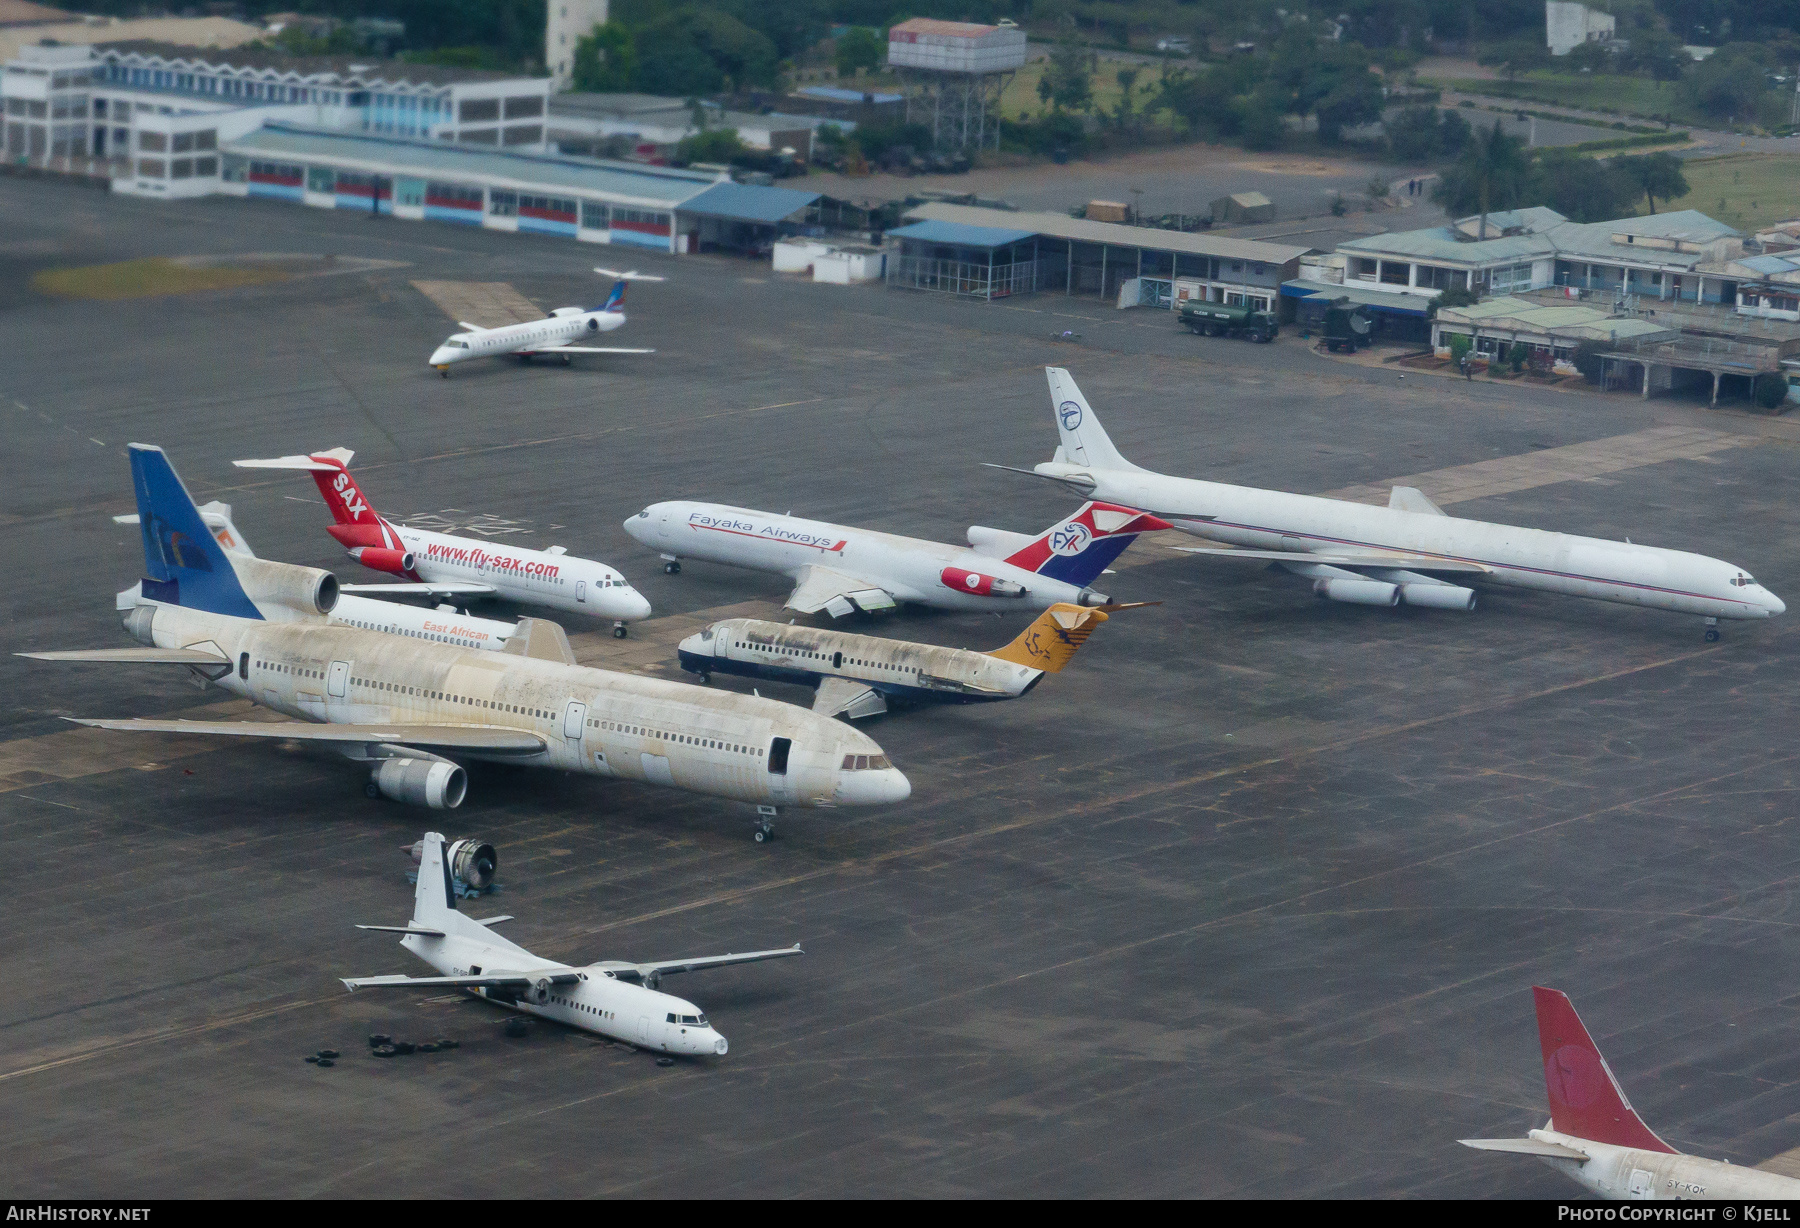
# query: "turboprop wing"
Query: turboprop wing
{"points": [[498, 980], [654, 971], [821, 588]]}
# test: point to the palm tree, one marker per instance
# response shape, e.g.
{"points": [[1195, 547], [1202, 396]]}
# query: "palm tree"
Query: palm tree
{"points": [[1489, 174]]}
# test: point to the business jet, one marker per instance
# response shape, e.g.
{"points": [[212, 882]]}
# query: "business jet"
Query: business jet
{"points": [[443, 625], [406, 706], [443, 565], [553, 335], [840, 570], [858, 675], [1408, 551], [1597, 1138], [614, 998]]}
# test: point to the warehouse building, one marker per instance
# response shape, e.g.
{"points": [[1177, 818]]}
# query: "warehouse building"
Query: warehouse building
{"points": [[995, 253]]}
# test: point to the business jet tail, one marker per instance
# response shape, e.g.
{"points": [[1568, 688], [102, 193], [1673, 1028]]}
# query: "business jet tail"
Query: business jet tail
{"points": [[1084, 440], [615, 300]]}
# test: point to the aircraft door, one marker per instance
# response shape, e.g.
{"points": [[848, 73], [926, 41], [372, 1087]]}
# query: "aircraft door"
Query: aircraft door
{"points": [[337, 679], [1643, 1184], [574, 720], [581, 591]]}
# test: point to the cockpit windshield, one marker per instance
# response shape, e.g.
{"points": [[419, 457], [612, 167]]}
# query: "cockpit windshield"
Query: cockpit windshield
{"points": [[459, 345], [867, 763], [1743, 579]]}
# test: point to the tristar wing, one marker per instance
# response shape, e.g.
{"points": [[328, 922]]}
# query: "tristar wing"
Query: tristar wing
{"points": [[428, 588], [486, 739], [848, 697], [586, 349], [135, 656], [1348, 559], [821, 588], [497, 980], [658, 969]]}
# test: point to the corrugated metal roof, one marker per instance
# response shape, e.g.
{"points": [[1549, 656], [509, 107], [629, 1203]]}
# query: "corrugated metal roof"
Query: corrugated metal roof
{"points": [[1770, 264], [742, 202], [959, 235], [1593, 240], [1442, 243], [1062, 226], [654, 185], [375, 72]]}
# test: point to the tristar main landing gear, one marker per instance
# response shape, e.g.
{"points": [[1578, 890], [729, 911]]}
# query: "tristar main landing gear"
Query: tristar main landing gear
{"points": [[619, 629], [1712, 631], [765, 823]]}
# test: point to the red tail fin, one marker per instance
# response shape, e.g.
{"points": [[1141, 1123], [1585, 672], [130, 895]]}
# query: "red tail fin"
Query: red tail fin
{"points": [[1585, 1100]]}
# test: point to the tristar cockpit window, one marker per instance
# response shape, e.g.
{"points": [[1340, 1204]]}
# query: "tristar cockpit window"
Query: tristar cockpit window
{"points": [[867, 763]]}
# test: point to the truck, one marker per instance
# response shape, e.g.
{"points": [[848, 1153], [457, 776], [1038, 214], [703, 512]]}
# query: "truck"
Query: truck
{"points": [[1225, 319], [1347, 327]]}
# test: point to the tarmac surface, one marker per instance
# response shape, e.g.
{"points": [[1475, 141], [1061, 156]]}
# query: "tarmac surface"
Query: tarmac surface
{"points": [[1246, 902]]}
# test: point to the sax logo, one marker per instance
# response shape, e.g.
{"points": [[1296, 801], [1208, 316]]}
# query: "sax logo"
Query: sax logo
{"points": [[1071, 538], [1070, 414]]}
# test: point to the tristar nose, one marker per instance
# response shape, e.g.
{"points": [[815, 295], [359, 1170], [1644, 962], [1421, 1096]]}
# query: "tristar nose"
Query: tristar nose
{"points": [[873, 788]]}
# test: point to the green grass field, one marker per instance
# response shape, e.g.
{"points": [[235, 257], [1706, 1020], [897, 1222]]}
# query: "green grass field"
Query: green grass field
{"points": [[1603, 92], [142, 278], [1020, 100], [1742, 190]]}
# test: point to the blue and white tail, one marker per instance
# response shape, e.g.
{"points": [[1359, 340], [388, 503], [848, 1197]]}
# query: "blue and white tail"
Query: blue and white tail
{"points": [[1078, 549], [615, 300], [184, 563], [1084, 441]]}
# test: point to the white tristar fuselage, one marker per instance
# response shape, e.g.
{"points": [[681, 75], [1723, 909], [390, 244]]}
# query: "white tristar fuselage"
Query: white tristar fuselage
{"points": [[595, 721], [569, 326], [907, 568], [1623, 572], [532, 577]]}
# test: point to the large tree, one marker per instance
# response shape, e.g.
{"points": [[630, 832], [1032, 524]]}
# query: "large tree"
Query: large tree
{"points": [[1657, 174], [1489, 174]]}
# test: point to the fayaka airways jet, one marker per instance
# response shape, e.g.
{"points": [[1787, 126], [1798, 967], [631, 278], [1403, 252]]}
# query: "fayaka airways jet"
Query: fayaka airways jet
{"points": [[407, 706], [1597, 1138], [556, 334], [839, 569], [444, 625], [442, 565], [1407, 551], [614, 998], [857, 675]]}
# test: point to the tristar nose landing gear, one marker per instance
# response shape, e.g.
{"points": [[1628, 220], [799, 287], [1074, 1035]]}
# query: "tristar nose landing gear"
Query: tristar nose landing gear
{"points": [[671, 565], [765, 823], [619, 629], [1712, 631]]}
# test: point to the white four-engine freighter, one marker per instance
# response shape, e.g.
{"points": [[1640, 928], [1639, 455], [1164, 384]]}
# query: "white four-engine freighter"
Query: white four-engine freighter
{"points": [[556, 334], [614, 998], [1408, 551], [444, 565], [840, 569], [406, 705]]}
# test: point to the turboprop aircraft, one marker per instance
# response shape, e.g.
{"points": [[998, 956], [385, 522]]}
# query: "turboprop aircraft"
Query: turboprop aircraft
{"points": [[840, 569], [614, 998], [856, 675], [406, 706], [1597, 1138], [555, 334], [443, 565], [1407, 551], [443, 625]]}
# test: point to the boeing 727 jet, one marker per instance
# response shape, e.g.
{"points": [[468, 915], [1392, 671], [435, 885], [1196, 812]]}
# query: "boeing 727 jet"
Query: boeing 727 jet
{"points": [[614, 998], [406, 707], [839, 569], [857, 675], [1407, 551], [555, 334], [442, 565], [1595, 1137]]}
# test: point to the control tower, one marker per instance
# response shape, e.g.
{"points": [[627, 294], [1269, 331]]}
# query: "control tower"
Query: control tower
{"points": [[954, 73]]}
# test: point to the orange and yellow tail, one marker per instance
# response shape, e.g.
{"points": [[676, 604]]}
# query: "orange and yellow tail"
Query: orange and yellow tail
{"points": [[1048, 643]]}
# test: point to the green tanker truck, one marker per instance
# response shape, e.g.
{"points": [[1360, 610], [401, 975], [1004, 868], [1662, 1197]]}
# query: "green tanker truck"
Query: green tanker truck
{"points": [[1226, 320]]}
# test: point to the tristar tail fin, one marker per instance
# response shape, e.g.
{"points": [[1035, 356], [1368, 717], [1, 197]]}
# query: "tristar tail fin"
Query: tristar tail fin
{"points": [[183, 563], [1084, 441], [1048, 643], [1078, 549], [1585, 1099]]}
